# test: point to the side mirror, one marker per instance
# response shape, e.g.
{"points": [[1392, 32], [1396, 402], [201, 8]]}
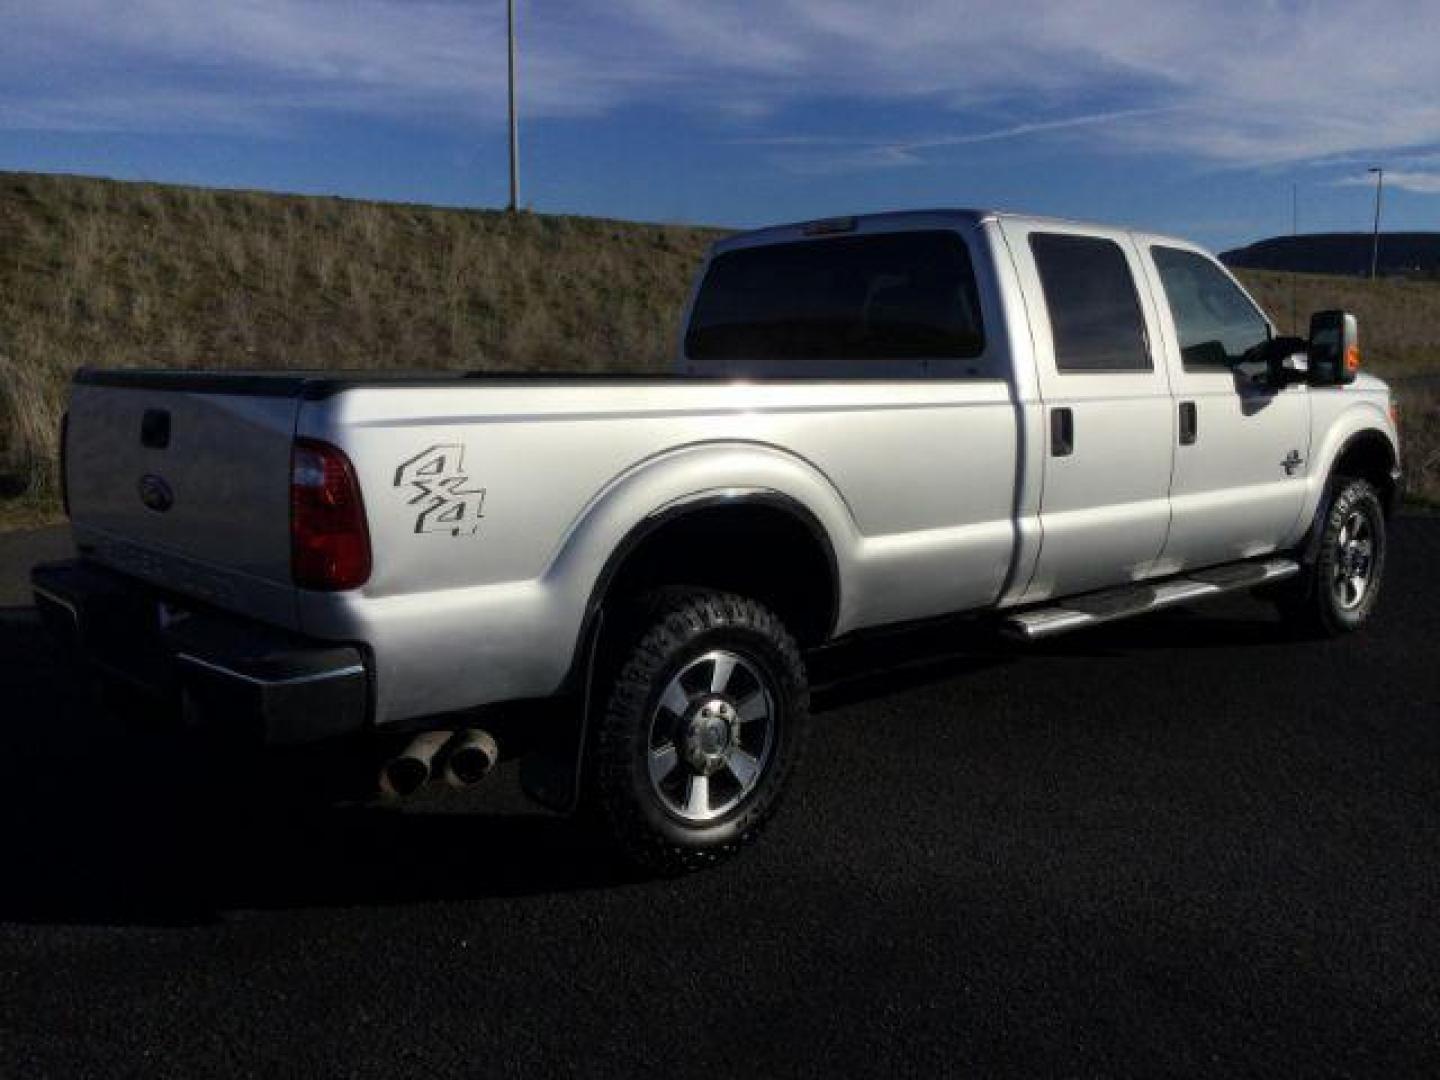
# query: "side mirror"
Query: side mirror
{"points": [[1334, 348], [1284, 359], [1290, 368]]}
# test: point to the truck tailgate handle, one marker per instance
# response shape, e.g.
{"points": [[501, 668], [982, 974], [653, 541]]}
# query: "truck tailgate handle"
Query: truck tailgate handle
{"points": [[155, 429], [1189, 423], [1062, 432]]}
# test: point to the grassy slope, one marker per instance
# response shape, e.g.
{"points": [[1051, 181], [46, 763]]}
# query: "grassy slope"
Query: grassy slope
{"points": [[1399, 320], [103, 273], [107, 274]]}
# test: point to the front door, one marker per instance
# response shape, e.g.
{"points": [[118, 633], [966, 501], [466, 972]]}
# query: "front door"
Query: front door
{"points": [[1242, 448], [1104, 509]]}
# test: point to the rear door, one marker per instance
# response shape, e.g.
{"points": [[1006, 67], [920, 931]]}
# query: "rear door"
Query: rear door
{"points": [[1242, 448], [1105, 507]]}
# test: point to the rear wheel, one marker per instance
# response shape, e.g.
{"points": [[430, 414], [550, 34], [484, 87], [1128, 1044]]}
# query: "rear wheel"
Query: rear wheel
{"points": [[702, 727], [1338, 591]]}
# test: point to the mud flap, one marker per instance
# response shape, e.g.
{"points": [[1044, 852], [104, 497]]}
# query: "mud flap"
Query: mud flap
{"points": [[552, 774]]}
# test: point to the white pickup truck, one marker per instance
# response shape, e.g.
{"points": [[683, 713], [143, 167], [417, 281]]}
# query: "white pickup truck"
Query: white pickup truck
{"points": [[872, 421]]}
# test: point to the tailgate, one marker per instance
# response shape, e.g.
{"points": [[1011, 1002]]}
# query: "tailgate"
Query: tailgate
{"points": [[185, 482]]}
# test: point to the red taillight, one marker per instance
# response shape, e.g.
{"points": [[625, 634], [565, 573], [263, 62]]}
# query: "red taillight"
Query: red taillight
{"points": [[329, 543]]}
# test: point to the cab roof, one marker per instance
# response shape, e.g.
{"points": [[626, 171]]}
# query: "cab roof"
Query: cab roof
{"points": [[940, 217]]}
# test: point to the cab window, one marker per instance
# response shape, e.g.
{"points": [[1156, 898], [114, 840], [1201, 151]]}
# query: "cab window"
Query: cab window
{"points": [[1216, 322], [1094, 311], [880, 297]]}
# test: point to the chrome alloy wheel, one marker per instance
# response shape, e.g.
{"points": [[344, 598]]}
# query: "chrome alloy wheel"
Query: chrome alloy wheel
{"points": [[1354, 560], [711, 736]]}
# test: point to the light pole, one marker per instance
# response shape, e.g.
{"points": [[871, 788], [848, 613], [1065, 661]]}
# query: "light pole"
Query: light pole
{"points": [[514, 127], [1294, 233], [1379, 172]]}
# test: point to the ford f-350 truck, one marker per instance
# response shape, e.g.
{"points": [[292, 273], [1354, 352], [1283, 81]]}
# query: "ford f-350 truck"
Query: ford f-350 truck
{"points": [[872, 421]]}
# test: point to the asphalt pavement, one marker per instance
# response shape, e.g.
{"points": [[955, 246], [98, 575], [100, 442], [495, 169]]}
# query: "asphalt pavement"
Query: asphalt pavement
{"points": [[1185, 845]]}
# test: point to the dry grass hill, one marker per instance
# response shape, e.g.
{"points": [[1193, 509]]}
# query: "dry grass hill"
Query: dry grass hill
{"points": [[102, 273]]}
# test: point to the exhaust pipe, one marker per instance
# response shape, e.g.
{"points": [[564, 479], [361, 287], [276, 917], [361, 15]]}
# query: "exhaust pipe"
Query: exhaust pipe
{"points": [[469, 757], [411, 770]]}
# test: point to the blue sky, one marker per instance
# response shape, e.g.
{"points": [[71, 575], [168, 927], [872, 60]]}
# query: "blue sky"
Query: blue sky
{"points": [[1193, 118]]}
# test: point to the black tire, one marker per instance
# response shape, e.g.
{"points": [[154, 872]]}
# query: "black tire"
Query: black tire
{"points": [[673, 635], [1322, 601]]}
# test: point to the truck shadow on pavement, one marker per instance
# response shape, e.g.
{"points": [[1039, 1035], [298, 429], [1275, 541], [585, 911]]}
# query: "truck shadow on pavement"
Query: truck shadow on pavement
{"points": [[107, 825]]}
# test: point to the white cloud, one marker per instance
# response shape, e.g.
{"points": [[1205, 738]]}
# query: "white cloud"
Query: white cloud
{"points": [[1261, 82], [1422, 183], [831, 154]]}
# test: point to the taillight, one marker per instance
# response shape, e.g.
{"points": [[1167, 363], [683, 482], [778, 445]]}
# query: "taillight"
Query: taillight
{"points": [[329, 543], [64, 461]]}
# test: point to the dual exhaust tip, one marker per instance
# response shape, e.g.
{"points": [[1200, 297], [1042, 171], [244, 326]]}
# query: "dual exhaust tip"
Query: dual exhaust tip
{"points": [[459, 759]]}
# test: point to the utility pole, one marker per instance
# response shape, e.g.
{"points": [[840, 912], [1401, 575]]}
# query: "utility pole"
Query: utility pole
{"points": [[514, 127], [1294, 233], [1379, 172]]}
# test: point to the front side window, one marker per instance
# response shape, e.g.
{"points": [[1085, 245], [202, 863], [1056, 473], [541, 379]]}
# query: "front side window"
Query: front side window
{"points": [[1216, 322], [886, 296], [1094, 310]]}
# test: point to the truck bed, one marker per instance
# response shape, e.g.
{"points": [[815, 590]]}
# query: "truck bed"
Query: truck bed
{"points": [[547, 475]]}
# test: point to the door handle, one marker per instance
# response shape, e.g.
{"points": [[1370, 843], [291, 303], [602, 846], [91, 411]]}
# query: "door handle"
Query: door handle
{"points": [[1062, 432], [1189, 423]]}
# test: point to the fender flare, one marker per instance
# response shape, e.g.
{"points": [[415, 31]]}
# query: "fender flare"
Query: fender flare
{"points": [[661, 489], [1362, 422]]}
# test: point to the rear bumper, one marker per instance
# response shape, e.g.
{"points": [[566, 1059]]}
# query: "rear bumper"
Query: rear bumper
{"points": [[245, 678]]}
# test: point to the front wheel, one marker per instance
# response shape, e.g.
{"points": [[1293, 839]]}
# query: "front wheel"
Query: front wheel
{"points": [[703, 725], [1337, 592]]}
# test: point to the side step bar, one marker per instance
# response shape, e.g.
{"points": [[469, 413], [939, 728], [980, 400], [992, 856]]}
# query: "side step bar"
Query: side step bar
{"points": [[1092, 609]]}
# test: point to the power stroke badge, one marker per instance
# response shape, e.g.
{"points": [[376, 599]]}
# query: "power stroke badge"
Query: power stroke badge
{"points": [[435, 481]]}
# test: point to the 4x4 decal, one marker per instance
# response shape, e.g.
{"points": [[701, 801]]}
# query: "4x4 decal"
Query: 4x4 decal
{"points": [[440, 487]]}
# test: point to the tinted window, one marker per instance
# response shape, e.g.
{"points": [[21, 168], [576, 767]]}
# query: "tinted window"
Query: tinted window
{"points": [[887, 296], [1094, 312], [1216, 322]]}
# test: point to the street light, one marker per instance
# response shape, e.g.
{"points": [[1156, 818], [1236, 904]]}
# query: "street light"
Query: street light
{"points": [[514, 128], [1379, 172]]}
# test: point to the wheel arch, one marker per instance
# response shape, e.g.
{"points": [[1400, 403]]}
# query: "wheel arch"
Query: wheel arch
{"points": [[1362, 448], [747, 490], [684, 543], [1371, 455]]}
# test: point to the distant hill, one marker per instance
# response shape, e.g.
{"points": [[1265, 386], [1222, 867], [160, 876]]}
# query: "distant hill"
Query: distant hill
{"points": [[1413, 254]]}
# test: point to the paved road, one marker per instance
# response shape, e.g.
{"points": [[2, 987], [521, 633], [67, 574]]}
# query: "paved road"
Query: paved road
{"points": [[1182, 845]]}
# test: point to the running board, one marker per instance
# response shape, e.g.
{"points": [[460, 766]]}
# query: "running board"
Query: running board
{"points": [[1092, 609]]}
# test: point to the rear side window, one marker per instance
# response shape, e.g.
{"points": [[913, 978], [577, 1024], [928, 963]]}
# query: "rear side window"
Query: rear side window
{"points": [[907, 295], [1094, 311], [1216, 322]]}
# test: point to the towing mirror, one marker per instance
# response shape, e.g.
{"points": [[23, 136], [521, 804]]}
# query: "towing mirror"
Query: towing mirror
{"points": [[1334, 348], [1285, 361], [1290, 367]]}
